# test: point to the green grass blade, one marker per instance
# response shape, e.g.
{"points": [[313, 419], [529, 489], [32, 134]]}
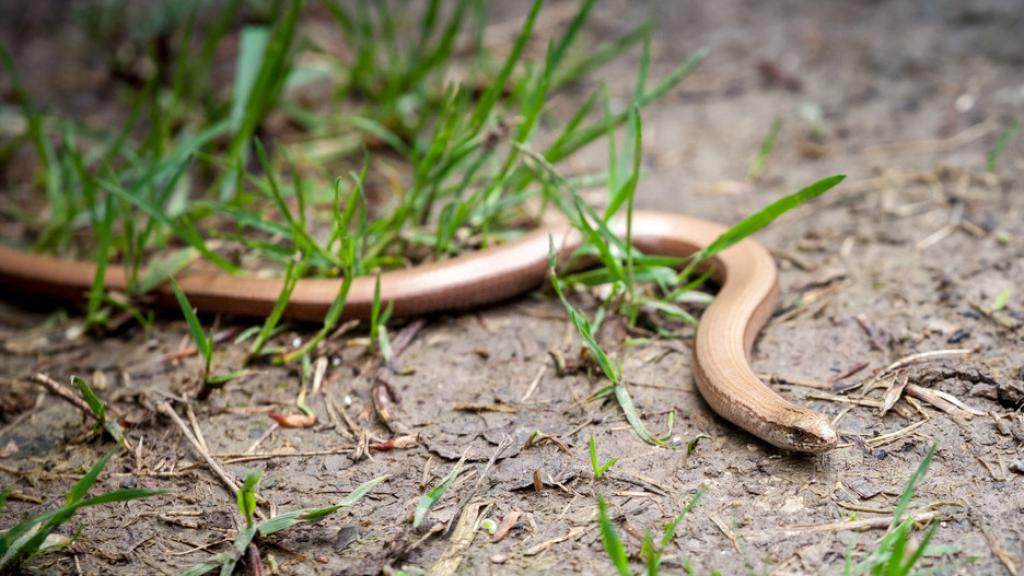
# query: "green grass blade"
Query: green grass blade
{"points": [[1005, 138], [81, 487], [590, 133], [1000, 301], [289, 519], [611, 541], [651, 555], [633, 416], [291, 278], [99, 409], [375, 311], [246, 497], [595, 240], [252, 47], [44, 149], [194, 327], [601, 55], [757, 164], [121, 495], [434, 495], [98, 290], [163, 267], [670, 528], [330, 320], [184, 232], [490, 98], [918, 552], [908, 492], [762, 218]]}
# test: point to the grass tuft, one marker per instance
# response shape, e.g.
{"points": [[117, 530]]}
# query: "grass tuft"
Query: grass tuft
{"points": [[31, 536]]}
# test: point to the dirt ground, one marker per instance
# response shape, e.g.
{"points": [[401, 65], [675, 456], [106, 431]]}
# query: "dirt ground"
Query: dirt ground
{"points": [[904, 257]]}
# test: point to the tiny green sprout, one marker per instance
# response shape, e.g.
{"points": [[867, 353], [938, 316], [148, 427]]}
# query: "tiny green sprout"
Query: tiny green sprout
{"points": [[599, 470], [204, 345], [489, 525], [247, 497], [1001, 300], [755, 169], [1005, 138], [691, 445], [99, 411]]}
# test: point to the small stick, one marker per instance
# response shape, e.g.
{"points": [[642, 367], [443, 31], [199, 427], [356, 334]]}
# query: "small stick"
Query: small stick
{"points": [[893, 436], [895, 392], [862, 321], [803, 382], [922, 356], [196, 430], [235, 458], [725, 530], [835, 398], [848, 372], [942, 400], [464, 501], [61, 390], [908, 360], [533, 383], [867, 524], [218, 471], [266, 434]]}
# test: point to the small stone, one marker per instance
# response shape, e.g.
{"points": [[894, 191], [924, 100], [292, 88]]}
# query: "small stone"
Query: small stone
{"points": [[985, 390], [1011, 392], [755, 488], [862, 487], [1016, 466], [959, 336], [346, 536], [792, 505]]}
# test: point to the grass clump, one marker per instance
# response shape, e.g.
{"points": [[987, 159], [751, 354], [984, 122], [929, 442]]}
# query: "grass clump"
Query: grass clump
{"points": [[34, 535], [251, 530], [651, 552], [896, 554]]}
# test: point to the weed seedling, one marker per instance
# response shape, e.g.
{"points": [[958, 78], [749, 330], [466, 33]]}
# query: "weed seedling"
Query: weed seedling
{"points": [[204, 346], [757, 164], [1004, 140], [599, 470], [99, 411]]}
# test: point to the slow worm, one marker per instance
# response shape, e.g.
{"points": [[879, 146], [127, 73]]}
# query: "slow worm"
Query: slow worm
{"points": [[745, 273]]}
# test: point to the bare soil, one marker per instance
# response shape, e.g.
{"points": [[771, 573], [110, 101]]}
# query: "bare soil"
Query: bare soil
{"points": [[904, 257]]}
